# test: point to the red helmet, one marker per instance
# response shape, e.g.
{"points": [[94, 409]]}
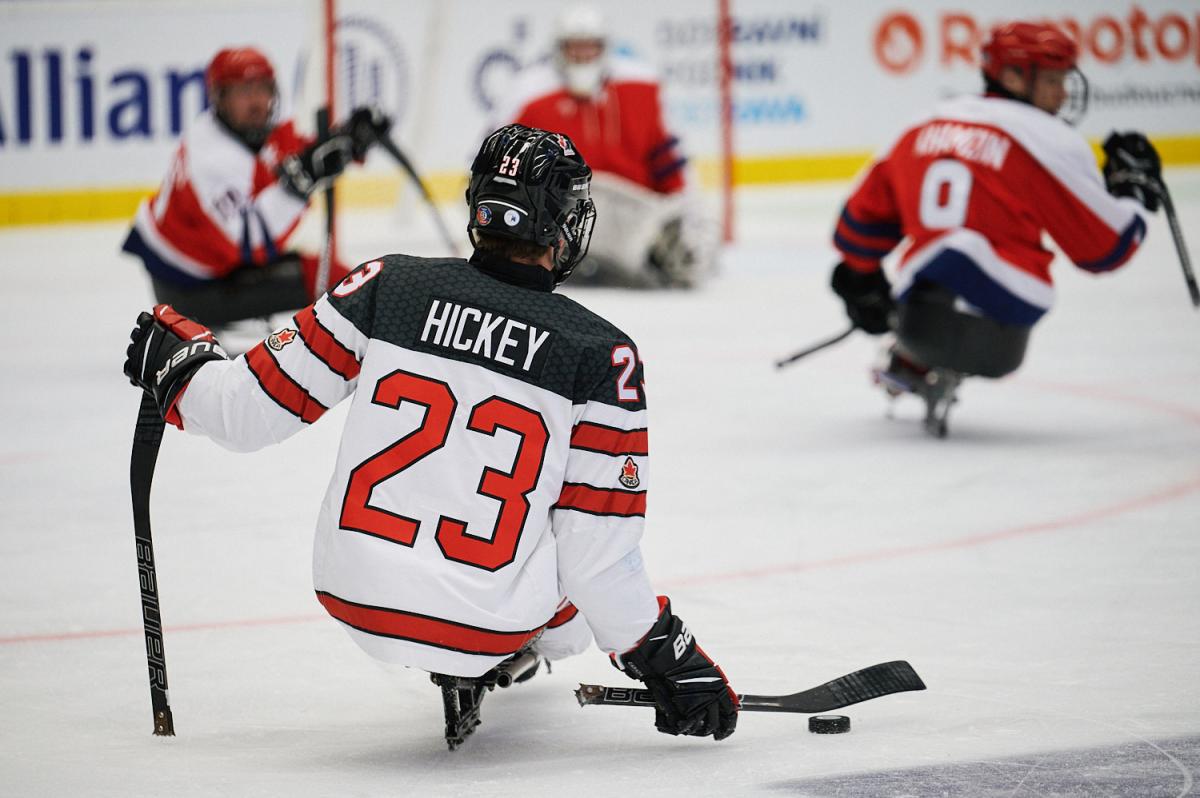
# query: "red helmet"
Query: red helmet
{"points": [[1025, 44], [237, 65]]}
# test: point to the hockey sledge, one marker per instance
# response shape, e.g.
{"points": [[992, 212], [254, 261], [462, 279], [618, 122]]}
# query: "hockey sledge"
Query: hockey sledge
{"points": [[462, 696]]}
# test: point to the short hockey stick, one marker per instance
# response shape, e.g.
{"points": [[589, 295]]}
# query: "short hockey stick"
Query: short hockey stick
{"points": [[386, 142], [1159, 187], [325, 260], [873, 682], [1185, 260], [147, 436], [814, 348]]}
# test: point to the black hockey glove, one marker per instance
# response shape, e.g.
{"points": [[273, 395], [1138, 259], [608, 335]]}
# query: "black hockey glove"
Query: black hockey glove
{"points": [[691, 694], [868, 298], [165, 352], [317, 165], [1130, 163], [366, 125]]}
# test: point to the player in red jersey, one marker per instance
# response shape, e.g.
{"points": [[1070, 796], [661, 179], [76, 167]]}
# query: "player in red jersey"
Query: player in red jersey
{"points": [[214, 238], [972, 188], [494, 463], [651, 232]]}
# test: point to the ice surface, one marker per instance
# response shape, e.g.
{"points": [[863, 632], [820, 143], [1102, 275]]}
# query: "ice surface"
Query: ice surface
{"points": [[1039, 568], [1130, 768]]}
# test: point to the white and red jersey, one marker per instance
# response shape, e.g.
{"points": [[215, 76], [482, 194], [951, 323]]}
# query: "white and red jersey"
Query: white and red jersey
{"points": [[494, 459], [220, 206], [973, 188], [619, 131]]}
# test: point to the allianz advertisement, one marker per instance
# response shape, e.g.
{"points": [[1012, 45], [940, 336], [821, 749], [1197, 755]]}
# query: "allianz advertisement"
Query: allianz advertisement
{"points": [[95, 95]]}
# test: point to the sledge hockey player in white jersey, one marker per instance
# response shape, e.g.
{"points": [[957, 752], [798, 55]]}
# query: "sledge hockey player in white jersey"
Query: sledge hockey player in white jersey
{"points": [[651, 231], [972, 188], [214, 239], [494, 454]]}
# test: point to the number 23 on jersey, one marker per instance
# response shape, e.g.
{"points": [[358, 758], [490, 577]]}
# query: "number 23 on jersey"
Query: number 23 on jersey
{"points": [[510, 487]]}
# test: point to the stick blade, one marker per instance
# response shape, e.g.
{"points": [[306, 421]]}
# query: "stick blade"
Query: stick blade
{"points": [[878, 680], [874, 682]]}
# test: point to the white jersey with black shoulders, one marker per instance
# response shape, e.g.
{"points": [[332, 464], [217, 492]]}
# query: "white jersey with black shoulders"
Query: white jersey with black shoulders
{"points": [[494, 458]]}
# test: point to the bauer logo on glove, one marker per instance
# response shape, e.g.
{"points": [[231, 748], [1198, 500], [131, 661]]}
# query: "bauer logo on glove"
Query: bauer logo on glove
{"points": [[200, 347], [172, 347]]}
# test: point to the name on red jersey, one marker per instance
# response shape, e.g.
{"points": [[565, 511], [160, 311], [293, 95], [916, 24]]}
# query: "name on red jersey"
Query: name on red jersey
{"points": [[969, 143]]}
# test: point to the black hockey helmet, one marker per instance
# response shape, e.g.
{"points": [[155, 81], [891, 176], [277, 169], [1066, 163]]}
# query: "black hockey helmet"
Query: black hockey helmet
{"points": [[533, 185]]}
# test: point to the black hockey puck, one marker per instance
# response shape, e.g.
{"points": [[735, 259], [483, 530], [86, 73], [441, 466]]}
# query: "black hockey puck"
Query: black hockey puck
{"points": [[829, 724]]}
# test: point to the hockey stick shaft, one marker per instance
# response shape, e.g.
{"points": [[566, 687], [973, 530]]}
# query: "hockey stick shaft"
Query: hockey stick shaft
{"points": [[147, 436], [862, 685], [1159, 188], [386, 142], [1185, 260], [325, 260], [817, 347]]}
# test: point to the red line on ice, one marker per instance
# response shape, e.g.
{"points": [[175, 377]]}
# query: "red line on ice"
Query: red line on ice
{"points": [[1054, 525], [1160, 496], [1057, 524], [1107, 394], [187, 627]]}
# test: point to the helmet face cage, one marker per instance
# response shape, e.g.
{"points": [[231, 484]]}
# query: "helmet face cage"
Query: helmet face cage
{"points": [[1030, 47], [1077, 89], [257, 135], [532, 185], [577, 235], [1078, 93]]}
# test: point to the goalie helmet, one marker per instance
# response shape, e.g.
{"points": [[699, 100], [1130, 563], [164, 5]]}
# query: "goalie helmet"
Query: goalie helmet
{"points": [[582, 24], [580, 21], [533, 185]]}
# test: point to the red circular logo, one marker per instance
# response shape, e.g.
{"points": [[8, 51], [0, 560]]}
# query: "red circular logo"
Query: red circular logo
{"points": [[899, 43]]}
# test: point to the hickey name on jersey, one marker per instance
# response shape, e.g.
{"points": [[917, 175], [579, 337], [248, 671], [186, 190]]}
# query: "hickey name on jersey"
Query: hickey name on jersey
{"points": [[483, 333]]}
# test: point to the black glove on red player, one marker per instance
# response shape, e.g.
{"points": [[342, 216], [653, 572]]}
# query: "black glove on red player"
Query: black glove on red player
{"points": [[1130, 163], [317, 165], [691, 694], [165, 351], [366, 125], [327, 157], [868, 298]]}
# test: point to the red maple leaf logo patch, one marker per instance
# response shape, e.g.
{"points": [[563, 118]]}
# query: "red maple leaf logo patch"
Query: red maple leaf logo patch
{"points": [[279, 340], [629, 474]]}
